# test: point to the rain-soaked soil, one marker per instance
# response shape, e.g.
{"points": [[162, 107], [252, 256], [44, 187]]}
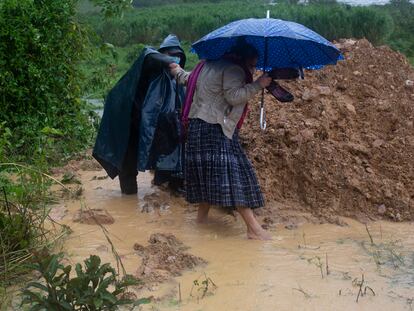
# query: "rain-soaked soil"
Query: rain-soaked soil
{"points": [[345, 145], [164, 258], [185, 266]]}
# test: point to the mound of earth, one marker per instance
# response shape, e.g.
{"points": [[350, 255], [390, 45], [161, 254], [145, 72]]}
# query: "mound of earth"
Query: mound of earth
{"points": [[164, 258], [345, 146], [93, 216]]}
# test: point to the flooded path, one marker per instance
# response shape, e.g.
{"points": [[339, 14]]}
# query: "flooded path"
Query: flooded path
{"points": [[288, 273]]}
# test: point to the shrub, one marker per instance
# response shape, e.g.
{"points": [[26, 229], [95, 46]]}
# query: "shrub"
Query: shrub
{"points": [[95, 286], [40, 47]]}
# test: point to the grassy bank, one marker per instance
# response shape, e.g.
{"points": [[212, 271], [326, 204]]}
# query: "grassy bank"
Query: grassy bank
{"points": [[193, 20], [190, 20]]}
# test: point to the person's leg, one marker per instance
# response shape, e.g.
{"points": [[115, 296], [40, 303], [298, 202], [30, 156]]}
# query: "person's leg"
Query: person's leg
{"points": [[175, 184], [161, 177], [202, 213], [128, 173], [254, 229]]}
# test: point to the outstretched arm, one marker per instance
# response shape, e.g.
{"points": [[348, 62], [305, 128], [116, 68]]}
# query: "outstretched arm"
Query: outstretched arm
{"points": [[157, 62], [179, 73]]}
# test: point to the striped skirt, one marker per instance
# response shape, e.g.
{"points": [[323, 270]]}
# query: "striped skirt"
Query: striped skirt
{"points": [[217, 171]]}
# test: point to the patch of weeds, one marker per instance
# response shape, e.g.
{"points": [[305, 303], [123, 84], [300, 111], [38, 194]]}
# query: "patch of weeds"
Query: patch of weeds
{"points": [[363, 289], [95, 286], [70, 178], [318, 263], [323, 267], [202, 286], [24, 212], [384, 253]]}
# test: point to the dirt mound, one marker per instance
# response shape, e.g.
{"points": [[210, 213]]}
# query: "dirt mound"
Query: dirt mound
{"points": [[345, 145], [164, 258], [93, 217]]}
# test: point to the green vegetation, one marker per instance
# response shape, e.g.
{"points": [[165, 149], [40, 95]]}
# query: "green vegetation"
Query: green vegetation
{"points": [[94, 288], [191, 19], [402, 38], [24, 211], [43, 122], [51, 58], [40, 46], [54, 54], [149, 3]]}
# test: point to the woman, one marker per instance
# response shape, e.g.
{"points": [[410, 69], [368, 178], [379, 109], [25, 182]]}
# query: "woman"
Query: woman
{"points": [[217, 171]]}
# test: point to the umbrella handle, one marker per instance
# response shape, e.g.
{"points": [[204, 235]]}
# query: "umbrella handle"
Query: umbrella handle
{"points": [[262, 119], [262, 110], [262, 113]]}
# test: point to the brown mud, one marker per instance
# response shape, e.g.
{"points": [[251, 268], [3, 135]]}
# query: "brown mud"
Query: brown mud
{"points": [[93, 217], [345, 146], [307, 265], [164, 258]]}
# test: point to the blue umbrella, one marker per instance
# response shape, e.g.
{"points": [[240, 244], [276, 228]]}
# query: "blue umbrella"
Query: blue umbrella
{"points": [[287, 44], [280, 44]]}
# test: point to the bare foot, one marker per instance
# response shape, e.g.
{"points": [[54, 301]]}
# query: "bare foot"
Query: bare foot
{"points": [[202, 220], [252, 236], [262, 235]]}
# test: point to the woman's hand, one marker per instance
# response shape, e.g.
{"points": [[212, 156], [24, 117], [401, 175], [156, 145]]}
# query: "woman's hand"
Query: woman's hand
{"points": [[174, 69], [264, 80]]}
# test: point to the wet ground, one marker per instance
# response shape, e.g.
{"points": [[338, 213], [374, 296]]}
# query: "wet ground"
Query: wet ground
{"points": [[311, 267]]}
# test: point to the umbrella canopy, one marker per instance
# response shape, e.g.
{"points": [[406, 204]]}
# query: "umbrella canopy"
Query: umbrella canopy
{"points": [[281, 44]]}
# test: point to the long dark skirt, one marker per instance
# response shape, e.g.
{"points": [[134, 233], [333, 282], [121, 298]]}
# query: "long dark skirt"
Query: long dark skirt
{"points": [[217, 171]]}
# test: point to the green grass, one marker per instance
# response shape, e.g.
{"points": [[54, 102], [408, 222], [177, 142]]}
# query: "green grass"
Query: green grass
{"points": [[191, 19]]}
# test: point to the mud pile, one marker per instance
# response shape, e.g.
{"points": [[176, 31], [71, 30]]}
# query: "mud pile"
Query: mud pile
{"points": [[93, 216], [164, 258], [345, 145]]}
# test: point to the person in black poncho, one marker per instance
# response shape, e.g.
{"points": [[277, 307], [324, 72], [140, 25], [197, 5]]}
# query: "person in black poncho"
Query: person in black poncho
{"points": [[140, 127]]}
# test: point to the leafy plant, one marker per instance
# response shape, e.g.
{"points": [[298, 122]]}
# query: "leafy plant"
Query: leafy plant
{"points": [[41, 44], [95, 286], [5, 135], [113, 7]]}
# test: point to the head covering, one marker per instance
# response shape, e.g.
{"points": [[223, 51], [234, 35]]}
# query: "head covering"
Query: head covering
{"points": [[170, 42], [172, 46]]}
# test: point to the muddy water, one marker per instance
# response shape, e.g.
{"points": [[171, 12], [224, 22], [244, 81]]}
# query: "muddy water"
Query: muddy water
{"points": [[287, 273]]}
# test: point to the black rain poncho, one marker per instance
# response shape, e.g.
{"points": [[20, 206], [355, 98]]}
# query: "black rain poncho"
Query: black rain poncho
{"points": [[146, 100]]}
